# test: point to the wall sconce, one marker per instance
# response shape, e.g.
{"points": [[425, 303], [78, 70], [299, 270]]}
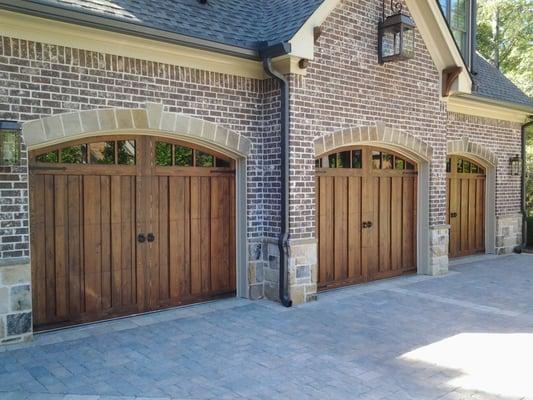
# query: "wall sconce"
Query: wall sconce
{"points": [[10, 140], [396, 35], [516, 165]]}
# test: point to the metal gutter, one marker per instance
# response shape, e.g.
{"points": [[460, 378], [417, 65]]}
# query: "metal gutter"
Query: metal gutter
{"points": [[74, 16], [267, 53]]}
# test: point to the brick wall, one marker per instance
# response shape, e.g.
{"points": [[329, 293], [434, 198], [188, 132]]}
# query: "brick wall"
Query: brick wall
{"points": [[345, 86], [503, 139], [14, 238], [40, 79]]}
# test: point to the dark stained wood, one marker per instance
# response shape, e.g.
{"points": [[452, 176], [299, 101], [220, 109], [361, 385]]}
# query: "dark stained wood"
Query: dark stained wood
{"points": [[349, 253], [465, 210], [87, 263]]}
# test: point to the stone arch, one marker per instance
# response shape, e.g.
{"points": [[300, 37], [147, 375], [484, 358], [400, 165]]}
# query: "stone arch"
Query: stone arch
{"points": [[473, 150], [483, 155], [153, 120], [149, 120], [378, 134]]}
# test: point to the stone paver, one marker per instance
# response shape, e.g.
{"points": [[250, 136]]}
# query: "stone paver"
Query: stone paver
{"points": [[467, 335]]}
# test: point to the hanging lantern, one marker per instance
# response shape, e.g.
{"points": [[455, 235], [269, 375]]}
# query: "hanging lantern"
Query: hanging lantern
{"points": [[396, 35], [9, 142], [516, 165]]}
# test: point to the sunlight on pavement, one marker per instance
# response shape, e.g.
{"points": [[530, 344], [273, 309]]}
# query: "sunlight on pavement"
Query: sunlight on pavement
{"points": [[497, 364]]}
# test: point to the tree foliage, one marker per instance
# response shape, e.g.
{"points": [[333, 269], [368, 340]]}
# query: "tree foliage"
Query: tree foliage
{"points": [[505, 38]]}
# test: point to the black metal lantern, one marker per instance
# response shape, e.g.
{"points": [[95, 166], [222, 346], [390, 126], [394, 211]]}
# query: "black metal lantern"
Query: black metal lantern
{"points": [[516, 164], [396, 35], [9, 142]]}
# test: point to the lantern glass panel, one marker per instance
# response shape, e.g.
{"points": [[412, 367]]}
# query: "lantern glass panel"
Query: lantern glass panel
{"points": [[9, 146], [408, 45], [391, 43]]}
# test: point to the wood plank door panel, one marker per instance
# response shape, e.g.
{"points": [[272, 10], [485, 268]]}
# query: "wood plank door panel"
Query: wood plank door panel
{"points": [[366, 219], [465, 185], [88, 263]]}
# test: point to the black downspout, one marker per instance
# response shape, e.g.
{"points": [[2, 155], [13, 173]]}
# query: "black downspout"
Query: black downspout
{"points": [[523, 183], [267, 53]]}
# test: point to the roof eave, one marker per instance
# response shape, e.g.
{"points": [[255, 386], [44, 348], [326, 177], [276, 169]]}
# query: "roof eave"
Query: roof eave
{"points": [[69, 15], [474, 104]]}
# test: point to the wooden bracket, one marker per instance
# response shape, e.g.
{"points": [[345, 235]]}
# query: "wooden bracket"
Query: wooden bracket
{"points": [[449, 75], [317, 32]]}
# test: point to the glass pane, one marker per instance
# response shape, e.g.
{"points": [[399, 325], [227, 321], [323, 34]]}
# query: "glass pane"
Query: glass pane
{"points": [[376, 160], [460, 166], [460, 39], [473, 168], [408, 46], [220, 163], [399, 163], [444, 7], [466, 167], [204, 159], [481, 170], [458, 14], [386, 162], [74, 154], [332, 159], [318, 163], [102, 153], [448, 165], [408, 165], [357, 159], [183, 156], [126, 152], [51, 157], [343, 159], [163, 154]]}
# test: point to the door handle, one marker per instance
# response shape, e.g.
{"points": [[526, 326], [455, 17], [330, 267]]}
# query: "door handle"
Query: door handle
{"points": [[150, 237], [453, 215], [141, 238], [369, 224], [364, 225]]}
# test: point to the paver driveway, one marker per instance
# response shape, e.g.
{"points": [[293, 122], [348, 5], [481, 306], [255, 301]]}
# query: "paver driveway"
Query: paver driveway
{"points": [[466, 335]]}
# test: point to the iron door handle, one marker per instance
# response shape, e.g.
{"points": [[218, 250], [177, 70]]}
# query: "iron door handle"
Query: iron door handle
{"points": [[453, 215], [364, 225], [150, 237], [141, 238], [369, 224]]}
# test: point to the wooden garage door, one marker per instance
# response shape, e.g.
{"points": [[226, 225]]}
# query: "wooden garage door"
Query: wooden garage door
{"points": [[465, 181], [366, 216], [122, 225]]}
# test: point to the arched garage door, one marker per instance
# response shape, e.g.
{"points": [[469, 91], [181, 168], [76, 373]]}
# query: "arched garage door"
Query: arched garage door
{"points": [[465, 181], [122, 225], [366, 216]]}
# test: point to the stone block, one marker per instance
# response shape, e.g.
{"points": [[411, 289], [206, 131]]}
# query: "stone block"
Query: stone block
{"points": [[259, 275], [107, 120], [319, 146], [196, 126], [18, 324], [89, 121], [71, 123], [20, 298], [53, 127], [140, 119], [154, 112], [273, 262], [182, 124], [255, 251], [168, 121], [256, 291], [303, 271], [124, 119], [14, 275], [245, 145], [233, 140], [209, 130], [251, 273], [297, 294], [4, 300], [221, 135], [271, 275], [271, 291], [33, 132]]}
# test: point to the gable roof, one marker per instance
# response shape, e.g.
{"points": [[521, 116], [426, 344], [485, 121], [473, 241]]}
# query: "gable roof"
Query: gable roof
{"points": [[492, 83], [239, 23]]}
